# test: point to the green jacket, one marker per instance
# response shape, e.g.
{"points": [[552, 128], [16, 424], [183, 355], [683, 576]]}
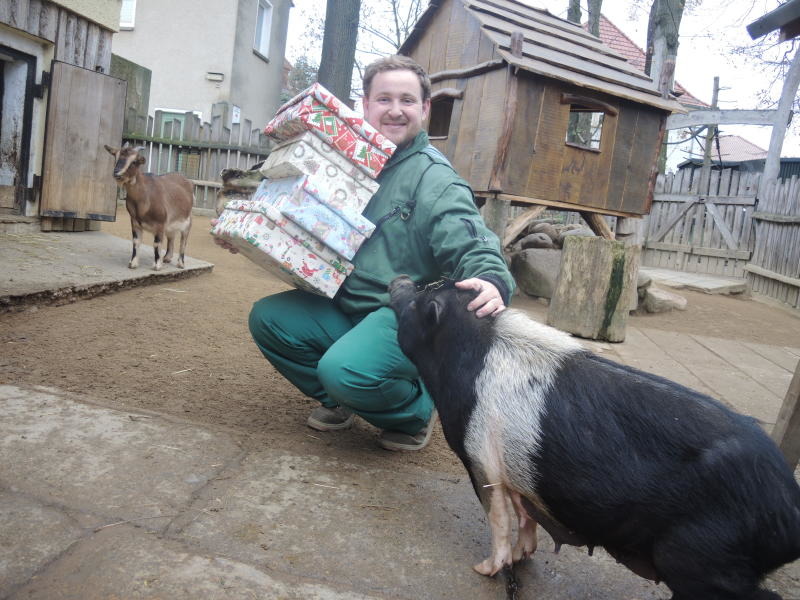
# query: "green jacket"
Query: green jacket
{"points": [[427, 227]]}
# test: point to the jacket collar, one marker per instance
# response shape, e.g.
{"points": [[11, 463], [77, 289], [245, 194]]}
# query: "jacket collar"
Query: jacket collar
{"points": [[417, 144]]}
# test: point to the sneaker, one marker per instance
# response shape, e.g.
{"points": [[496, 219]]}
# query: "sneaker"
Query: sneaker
{"points": [[330, 419], [397, 440]]}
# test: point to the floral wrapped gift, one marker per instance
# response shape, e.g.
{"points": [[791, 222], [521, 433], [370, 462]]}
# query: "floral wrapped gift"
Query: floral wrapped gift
{"points": [[310, 206], [281, 247]]}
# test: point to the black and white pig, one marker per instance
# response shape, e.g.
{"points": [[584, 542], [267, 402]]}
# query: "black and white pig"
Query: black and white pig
{"points": [[670, 482]]}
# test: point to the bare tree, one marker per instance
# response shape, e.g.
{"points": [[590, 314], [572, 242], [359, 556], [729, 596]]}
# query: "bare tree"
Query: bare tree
{"points": [[383, 26]]}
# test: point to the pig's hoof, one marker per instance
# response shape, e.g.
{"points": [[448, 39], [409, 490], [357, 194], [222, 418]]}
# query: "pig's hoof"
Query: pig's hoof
{"points": [[523, 549], [491, 566]]}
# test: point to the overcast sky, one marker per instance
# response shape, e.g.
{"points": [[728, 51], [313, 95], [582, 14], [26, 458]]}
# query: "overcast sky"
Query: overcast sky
{"points": [[706, 36]]}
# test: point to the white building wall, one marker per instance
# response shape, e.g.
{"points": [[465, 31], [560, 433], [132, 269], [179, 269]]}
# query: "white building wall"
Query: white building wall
{"points": [[181, 41], [256, 79]]}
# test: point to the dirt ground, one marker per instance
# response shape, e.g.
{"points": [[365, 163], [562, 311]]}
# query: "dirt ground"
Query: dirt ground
{"points": [[183, 348]]}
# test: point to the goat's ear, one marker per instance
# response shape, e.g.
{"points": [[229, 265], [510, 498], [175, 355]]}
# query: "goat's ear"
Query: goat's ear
{"points": [[110, 150], [433, 313]]}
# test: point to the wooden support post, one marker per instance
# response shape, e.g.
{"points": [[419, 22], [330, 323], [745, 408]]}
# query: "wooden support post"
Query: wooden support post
{"points": [[519, 223], [592, 295], [495, 215], [631, 233], [597, 224], [786, 432]]}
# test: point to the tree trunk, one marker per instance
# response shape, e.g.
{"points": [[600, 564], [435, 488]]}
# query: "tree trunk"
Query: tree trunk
{"points": [[339, 47], [574, 11], [593, 293], [594, 16], [662, 41]]}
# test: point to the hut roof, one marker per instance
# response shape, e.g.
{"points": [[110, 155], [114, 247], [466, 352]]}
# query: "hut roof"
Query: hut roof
{"points": [[554, 47]]}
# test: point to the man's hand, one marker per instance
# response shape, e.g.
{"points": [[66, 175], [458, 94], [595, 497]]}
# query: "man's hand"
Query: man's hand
{"points": [[487, 302], [222, 243]]}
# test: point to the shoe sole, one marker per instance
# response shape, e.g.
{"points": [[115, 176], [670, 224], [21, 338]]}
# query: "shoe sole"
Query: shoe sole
{"points": [[322, 426], [395, 447]]}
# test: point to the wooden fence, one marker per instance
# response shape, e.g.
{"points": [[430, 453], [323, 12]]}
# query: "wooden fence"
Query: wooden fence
{"points": [[198, 150], [734, 228], [774, 269], [702, 228]]}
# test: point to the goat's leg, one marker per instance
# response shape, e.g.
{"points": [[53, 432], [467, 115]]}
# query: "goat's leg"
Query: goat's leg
{"points": [[500, 522], [170, 242], [158, 239], [184, 239], [136, 237]]}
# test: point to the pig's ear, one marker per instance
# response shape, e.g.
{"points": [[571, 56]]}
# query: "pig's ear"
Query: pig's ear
{"points": [[433, 313]]}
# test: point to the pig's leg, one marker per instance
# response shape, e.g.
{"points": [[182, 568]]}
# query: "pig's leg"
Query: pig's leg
{"points": [[500, 522], [526, 538]]}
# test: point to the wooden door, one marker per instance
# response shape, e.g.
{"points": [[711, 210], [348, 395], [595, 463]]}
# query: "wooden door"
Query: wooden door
{"points": [[85, 111]]}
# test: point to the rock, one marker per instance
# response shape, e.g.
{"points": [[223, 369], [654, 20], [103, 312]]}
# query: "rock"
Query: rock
{"points": [[657, 300], [546, 228], [643, 281], [536, 271], [536, 240]]}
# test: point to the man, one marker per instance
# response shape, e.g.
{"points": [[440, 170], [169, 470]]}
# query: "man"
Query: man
{"points": [[344, 352]]}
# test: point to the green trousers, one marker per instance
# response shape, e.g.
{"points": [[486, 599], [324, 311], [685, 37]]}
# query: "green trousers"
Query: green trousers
{"points": [[342, 360]]}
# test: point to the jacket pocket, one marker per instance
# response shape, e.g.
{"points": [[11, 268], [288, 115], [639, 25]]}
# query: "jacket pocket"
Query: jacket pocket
{"points": [[473, 230]]}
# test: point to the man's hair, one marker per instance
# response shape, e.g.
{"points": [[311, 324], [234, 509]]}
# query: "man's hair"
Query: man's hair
{"points": [[396, 62]]}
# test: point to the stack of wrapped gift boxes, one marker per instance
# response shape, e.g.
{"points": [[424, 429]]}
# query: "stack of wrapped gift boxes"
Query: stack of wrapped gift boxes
{"points": [[304, 223]]}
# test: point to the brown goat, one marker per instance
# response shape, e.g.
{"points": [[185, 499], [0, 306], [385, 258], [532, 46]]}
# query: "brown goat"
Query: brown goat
{"points": [[160, 204]]}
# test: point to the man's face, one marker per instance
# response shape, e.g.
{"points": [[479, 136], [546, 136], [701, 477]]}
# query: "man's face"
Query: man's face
{"points": [[395, 107]]}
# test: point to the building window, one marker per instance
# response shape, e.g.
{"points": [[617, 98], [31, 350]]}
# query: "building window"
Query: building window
{"points": [[127, 14], [263, 26], [441, 114], [585, 127]]}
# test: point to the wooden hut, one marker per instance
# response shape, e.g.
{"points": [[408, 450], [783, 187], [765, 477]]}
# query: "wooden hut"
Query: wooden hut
{"points": [[532, 109]]}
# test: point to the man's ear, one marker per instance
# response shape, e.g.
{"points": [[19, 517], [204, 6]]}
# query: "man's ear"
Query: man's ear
{"points": [[426, 109]]}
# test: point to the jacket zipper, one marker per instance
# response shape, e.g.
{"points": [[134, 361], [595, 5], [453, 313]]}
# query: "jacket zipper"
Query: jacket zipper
{"points": [[383, 219]]}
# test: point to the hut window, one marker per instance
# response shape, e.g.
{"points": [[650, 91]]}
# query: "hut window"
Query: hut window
{"points": [[441, 113], [585, 127]]}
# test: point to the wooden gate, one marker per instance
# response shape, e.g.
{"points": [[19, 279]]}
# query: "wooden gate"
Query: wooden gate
{"points": [[702, 231], [85, 111]]}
